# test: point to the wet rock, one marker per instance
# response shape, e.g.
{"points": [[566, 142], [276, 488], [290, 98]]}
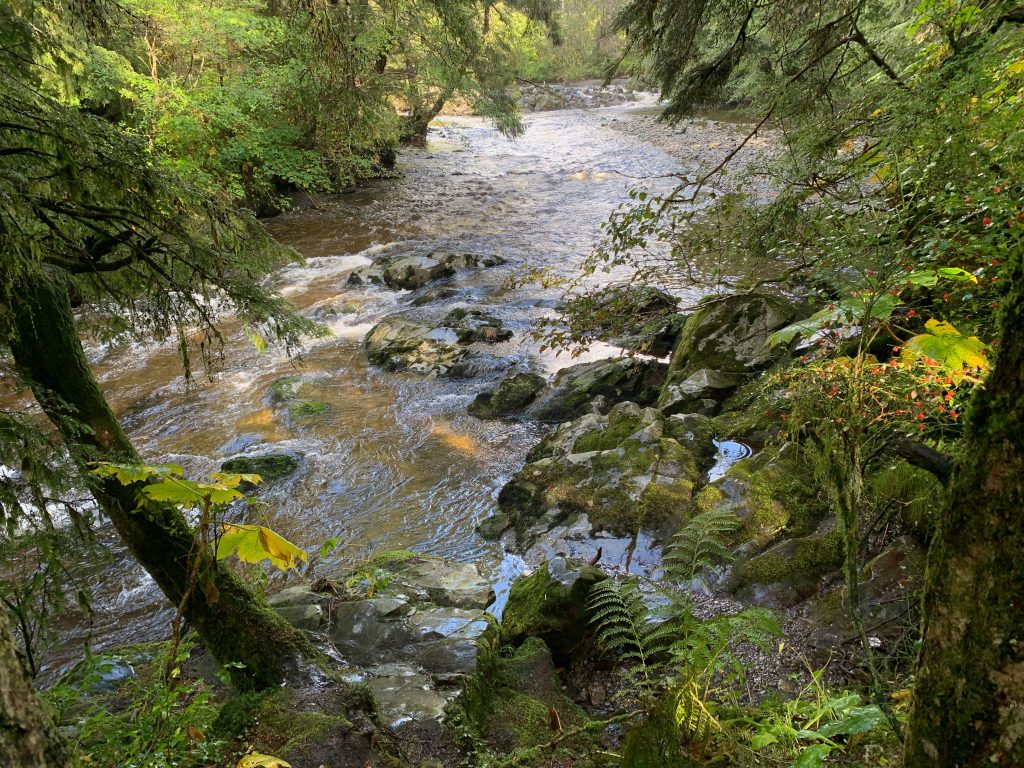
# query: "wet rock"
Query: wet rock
{"points": [[365, 637], [620, 470], [400, 345], [789, 571], [616, 379], [299, 606], [701, 392], [444, 583], [432, 295], [728, 335], [513, 393], [416, 271], [368, 275], [405, 697], [550, 604], [492, 527], [472, 325], [269, 466]]}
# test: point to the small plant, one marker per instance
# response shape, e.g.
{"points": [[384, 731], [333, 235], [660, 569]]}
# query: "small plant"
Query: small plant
{"points": [[146, 720], [700, 544], [675, 667]]}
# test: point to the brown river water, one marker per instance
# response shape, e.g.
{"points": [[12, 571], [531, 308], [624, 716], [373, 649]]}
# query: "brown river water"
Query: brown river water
{"points": [[396, 462]]}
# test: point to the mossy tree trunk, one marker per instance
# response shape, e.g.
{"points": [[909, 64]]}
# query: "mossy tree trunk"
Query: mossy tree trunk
{"points": [[232, 623], [28, 736], [969, 693]]}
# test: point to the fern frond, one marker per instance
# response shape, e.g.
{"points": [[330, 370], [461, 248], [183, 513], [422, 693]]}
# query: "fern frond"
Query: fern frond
{"points": [[701, 543], [624, 627]]}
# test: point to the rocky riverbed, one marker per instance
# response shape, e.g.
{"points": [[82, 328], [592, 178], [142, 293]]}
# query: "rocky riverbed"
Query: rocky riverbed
{"points": [[476, 484]]}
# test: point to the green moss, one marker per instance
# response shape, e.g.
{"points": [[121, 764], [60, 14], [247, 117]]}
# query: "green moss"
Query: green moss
{"points": [[270, 467], [612, 436], [295, 729], [795, 561], [707, 498], [541, 607], [305, 410], [391, 556]]}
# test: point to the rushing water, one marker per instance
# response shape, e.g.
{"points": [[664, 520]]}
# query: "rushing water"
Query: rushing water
{"points": [[397, 462]]}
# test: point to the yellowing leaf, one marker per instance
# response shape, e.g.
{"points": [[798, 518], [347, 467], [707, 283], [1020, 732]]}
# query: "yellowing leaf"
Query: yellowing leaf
{"points": [[234, 479], [256, 760], [944, 344], [253, 543], [1017, 68]]}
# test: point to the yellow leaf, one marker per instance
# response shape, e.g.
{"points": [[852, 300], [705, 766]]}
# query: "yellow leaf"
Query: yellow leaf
{"points": [[256, 760], [253, 543], [1016, 68], [944, 344]]}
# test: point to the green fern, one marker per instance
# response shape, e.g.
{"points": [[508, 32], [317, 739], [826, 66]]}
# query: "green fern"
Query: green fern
{"points": [[701, 543], [624, 627]]}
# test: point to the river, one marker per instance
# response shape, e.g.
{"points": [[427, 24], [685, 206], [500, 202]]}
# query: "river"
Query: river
{"points": [[396, 462]]}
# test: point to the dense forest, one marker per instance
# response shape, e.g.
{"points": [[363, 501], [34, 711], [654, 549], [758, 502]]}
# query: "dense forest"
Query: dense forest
{"points": [[522, 383]]}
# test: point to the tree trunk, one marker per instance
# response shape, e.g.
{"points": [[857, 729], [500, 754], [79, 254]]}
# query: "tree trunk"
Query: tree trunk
{"points": [[969, 693], [233, 625], [28, 737]]}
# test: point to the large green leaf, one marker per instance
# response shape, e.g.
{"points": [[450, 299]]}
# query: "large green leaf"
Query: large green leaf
{"points": [[850, 311], [857, 720], [812, 756], [187, 493], [944, 344], [253, 543]]}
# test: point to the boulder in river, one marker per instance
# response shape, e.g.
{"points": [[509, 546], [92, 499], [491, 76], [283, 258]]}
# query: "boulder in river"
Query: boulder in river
{"points": [[401, 345], [414, 271], [616, 379], [269, 466], [476, 325], [514, 393], [621, 471]]}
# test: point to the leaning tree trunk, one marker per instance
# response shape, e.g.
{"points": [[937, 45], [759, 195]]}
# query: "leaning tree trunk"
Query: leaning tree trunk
{"points": [[233, 625], [28, 736], [969, 693]]}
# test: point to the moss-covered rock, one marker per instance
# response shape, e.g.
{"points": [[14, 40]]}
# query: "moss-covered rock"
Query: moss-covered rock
{"points": [[514, 393], [616, 379], [508, 706], [270, 467], [550, 604], [727, 335], [789, 571], [617, 469], [330, 724]]}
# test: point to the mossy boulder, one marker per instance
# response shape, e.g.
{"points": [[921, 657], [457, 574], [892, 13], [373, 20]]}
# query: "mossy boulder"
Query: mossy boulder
{"points": [[727, 336], [472, 325], [620, 470], [515, 392], [789, 571], [270, 467], [550, 604], [328, 724], [889, 588], [616, 379], [508, 704]]}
